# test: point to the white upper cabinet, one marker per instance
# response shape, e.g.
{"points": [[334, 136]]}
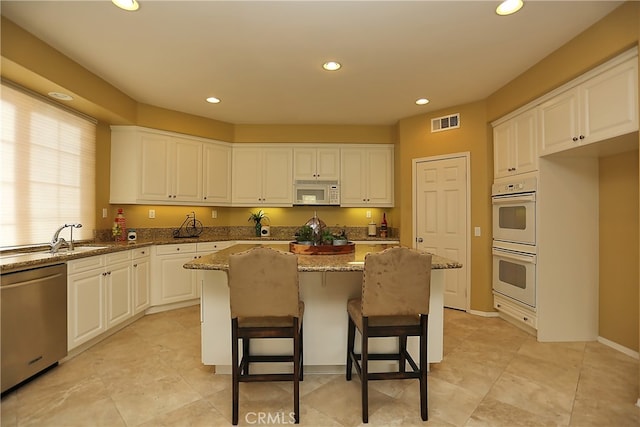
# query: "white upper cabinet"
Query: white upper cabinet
{"points": [[149, 166], [216, 174], [604, 104], [262, 175], [366, 176], [515, 145], [311, 164]]}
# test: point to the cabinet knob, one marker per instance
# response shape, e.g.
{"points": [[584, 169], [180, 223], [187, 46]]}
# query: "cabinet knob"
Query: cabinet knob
{"points": [[498, 305], [135, 265], [525, 318], [581, 136], [205, 197], [575, 138], [177, 249]]}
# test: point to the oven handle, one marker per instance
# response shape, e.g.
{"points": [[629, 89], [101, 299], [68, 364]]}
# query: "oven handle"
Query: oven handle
{"points": [[531, 197], [530, 258]]}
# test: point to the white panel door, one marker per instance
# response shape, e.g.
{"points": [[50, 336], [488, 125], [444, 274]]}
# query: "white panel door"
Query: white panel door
{"points": [[441, 220]]}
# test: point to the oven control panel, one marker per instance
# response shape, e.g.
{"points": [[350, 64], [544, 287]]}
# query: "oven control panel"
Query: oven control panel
{"points": [[524, 186]]}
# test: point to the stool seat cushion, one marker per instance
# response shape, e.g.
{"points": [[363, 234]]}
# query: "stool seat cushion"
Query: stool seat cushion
{"points": [[271, 321], [354, 308]]}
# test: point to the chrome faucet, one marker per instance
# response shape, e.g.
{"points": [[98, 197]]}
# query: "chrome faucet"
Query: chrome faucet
{"points": [[57, 241]]}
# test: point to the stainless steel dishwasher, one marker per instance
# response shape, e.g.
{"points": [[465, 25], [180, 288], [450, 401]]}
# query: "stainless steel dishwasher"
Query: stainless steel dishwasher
{"points": [[33, 318]]}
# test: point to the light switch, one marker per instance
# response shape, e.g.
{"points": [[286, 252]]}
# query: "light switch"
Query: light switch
{"points": [[214, 214], [476, 231], [368, 214], [104, 212]]}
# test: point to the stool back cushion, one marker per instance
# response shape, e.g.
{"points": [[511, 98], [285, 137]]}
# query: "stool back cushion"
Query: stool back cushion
{"points": [[396, 282], [263, 282]]}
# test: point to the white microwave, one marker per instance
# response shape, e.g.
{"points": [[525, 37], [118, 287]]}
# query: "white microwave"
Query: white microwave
{"points": [[316, 193]]}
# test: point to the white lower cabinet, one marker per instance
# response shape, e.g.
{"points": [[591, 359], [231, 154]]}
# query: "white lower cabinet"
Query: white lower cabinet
{"points": [[141, 278], [170, 282], [98, 295]]}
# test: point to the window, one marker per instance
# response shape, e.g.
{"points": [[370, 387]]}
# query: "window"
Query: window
{"points": [[47, 160]]}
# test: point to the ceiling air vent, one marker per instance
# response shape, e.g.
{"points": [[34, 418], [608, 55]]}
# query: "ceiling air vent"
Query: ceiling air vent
{"points": [[445, 123]]}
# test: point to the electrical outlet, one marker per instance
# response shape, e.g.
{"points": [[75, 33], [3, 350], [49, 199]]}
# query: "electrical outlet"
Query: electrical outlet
{"points": [[368, 214], [152, 213], [214, 214], [476, 231], [104, 212]]}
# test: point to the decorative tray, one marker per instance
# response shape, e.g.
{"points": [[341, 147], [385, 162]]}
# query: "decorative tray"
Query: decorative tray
{"points": [[298, 248]]}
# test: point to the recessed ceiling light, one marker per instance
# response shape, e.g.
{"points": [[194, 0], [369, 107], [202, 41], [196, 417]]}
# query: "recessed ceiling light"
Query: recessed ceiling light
{"points": [[130, 5], [213, 100], [331, 66], [422, 101], [507, 7], [60, 96]]}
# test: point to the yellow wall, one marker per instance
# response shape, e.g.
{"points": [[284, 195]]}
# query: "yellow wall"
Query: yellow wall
{"points": [[619, 249], [417, 141]]}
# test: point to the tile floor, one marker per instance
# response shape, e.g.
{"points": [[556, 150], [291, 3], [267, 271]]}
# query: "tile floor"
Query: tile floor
{"points": [[493, 374]]}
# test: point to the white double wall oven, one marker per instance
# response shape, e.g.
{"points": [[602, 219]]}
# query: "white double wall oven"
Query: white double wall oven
{"points": [[514, 238]]}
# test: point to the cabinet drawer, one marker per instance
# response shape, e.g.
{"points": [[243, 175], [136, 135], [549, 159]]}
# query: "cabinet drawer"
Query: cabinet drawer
{"points": [[515, 310], [140, 252], [116, 257], [85, 264], [176, 249], [208, 247]]}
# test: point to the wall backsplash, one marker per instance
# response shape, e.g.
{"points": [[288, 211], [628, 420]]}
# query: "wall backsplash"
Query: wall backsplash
{"points": [[237, 233]]}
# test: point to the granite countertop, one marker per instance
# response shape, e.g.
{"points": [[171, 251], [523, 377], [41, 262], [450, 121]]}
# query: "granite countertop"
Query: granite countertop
{"points": [[17, 260], [344, 262]]}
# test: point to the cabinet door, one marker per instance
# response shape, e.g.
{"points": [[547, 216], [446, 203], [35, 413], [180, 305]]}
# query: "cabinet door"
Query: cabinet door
{"points": [[187, 171], [380, 177], [118, 289], [525, 142], [140, 275], [86, 316], [502, 150], [353, 190], [558, 123], [304, 164], [277, 177], [247, 176], [216, 174], [176, 283], [609, 103], [155, 182], [328, 164]]}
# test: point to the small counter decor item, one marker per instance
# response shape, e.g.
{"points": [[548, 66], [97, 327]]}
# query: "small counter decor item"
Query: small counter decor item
{"points": [[314, 238], [340, 239], [116, 231], [304, 235], [257, 218], [191, 227]]}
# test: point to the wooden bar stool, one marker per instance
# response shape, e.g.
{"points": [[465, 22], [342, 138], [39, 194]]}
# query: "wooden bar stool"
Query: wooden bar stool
{"points": [[395, 303], [265, 303]]}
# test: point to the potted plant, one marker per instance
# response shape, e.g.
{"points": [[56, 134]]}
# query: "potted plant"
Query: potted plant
{"points": [[340, 239], [304, 235], [257, 218], [327, 237]]}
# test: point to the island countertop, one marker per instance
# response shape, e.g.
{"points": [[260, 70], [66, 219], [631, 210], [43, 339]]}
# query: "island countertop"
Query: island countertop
{"points": [[343, 262]]}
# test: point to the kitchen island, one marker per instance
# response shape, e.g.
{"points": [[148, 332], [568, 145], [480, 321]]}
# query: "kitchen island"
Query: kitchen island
{"points": [[326, 283]]}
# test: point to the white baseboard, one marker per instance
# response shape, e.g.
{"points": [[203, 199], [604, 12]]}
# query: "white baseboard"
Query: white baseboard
{"points": [[484, 313], [620, 348]]}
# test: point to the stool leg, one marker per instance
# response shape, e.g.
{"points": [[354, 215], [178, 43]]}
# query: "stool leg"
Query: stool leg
{"points": [[246, 342], [235, 381], [302, 351], [296, 371], [424, 364], [351, 337], [365, 370], [402, 350]]}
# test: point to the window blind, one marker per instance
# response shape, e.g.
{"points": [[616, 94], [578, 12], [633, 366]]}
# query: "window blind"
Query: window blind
{"points": [[47, 160]]}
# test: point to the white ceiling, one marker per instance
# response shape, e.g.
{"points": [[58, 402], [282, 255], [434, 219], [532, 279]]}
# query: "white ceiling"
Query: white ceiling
{"points": [[263, 58]]}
